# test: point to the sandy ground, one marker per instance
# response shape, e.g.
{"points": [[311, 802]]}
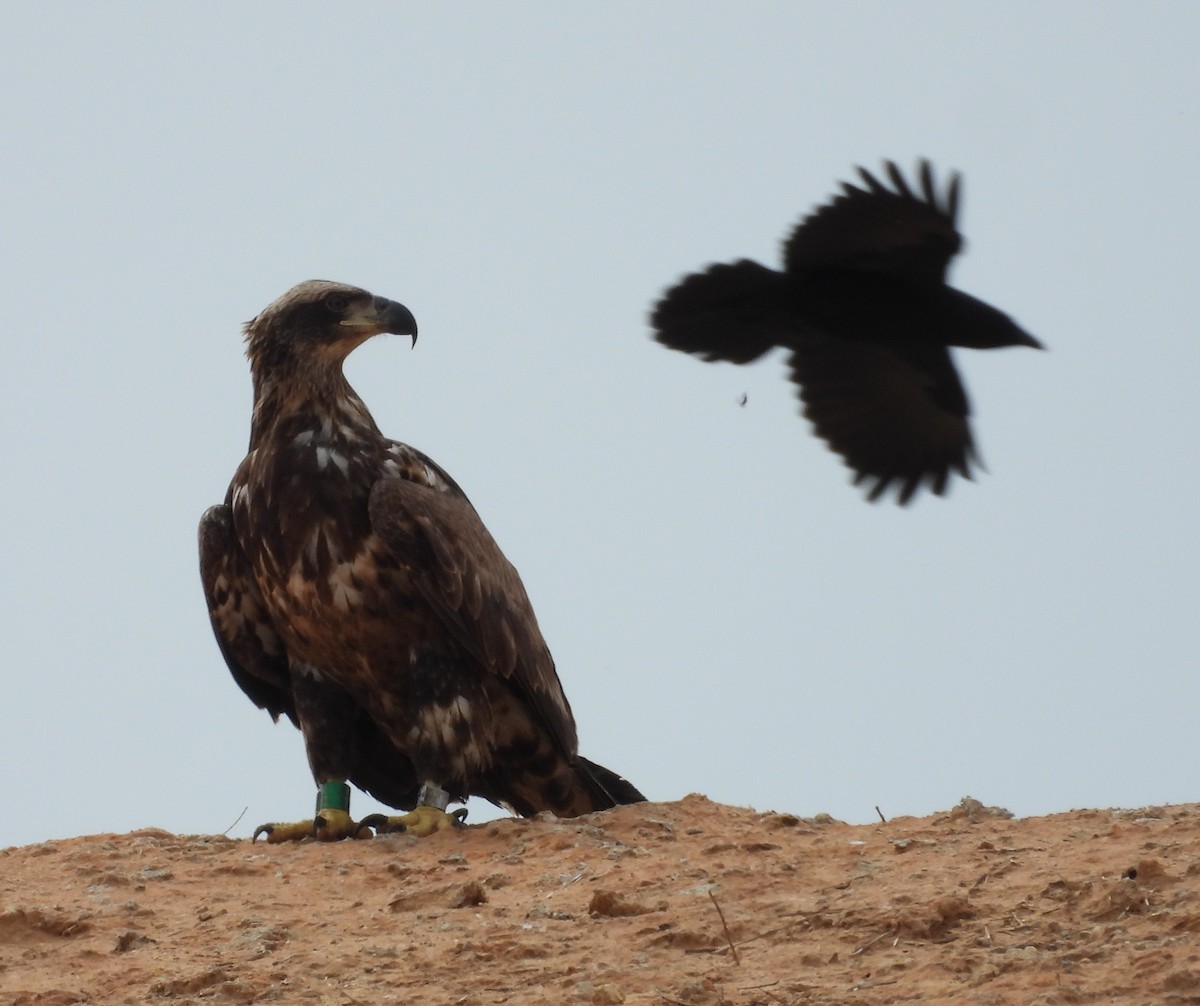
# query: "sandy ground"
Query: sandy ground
{"points": [[680, 903]]}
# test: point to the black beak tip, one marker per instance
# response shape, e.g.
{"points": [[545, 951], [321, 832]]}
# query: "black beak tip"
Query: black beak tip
{"points": [[396, 318]]}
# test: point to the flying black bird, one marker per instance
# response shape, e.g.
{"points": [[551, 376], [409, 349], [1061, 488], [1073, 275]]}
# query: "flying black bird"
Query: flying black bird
{"points": [[863, 307], [353, 588]]}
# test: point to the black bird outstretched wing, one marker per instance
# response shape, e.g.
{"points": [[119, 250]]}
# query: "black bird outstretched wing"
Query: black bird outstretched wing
{"points": [[458, 569], [897, 415], [887, 231]]}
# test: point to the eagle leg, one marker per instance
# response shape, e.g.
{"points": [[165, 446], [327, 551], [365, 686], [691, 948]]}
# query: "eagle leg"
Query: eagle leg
{"points": [[331, 823]]}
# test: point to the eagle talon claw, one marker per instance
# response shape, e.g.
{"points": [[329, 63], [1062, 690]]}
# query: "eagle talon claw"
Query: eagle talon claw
{"points": [[330, 825], [420, 821], [376, 822], [292, 831]]}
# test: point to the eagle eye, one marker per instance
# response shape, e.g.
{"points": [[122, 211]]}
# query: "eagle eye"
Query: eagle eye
{"points": [[337, 303]]}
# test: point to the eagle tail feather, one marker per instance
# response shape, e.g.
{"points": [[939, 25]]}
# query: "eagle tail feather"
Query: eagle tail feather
{"points": [[609, 788]]}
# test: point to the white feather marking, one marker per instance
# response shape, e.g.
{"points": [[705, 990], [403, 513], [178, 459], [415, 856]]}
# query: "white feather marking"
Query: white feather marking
{"points": [[325, 455], [316, 541], [306, 671], [345, 596], [347, 577]]}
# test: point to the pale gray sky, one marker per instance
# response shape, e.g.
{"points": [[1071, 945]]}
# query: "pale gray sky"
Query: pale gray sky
{"points": [[727, 614]]}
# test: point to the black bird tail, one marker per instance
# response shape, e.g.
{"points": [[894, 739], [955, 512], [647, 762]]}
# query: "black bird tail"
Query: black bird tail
{"points": [[734, 311], [608, 788]]}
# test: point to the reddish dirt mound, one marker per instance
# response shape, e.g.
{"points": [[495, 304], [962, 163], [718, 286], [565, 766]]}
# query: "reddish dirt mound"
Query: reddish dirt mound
{"points": [[682, 903]]}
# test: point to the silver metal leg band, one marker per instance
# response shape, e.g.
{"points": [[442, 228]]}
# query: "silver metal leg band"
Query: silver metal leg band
{"points": [[433, 796]]}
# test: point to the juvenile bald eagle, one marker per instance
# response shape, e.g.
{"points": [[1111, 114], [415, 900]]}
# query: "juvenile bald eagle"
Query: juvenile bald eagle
{"points": [[863, 307], [353, 588]]}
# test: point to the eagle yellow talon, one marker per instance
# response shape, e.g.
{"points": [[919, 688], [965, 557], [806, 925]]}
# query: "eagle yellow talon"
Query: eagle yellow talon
{"points": [[330, 825], [420, 821], [294, 831]]}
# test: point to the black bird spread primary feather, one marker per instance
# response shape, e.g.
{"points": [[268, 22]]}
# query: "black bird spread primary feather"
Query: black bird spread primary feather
{"points": [[353, 588], [863, 307]]}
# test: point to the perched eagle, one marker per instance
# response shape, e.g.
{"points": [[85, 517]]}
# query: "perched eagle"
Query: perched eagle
{"points": [[863, 307], [353, 588]]}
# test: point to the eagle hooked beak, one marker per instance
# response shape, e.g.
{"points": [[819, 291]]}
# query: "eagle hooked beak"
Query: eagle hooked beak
{"points": [[384, 316]]}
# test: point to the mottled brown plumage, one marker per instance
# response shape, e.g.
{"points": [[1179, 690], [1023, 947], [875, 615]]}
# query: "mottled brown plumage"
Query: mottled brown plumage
{"points": [[353, 588], [863, 307]]}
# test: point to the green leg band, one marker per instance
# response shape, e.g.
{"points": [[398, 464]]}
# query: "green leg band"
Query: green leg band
{"points": [[333, 796]]}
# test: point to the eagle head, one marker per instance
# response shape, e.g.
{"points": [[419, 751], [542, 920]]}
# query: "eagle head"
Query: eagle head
{"points": [[321, 322]]}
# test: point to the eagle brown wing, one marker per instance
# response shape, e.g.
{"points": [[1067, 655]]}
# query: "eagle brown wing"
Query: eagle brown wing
{"points": [[895, 414], [257, 659], [247, 638], [454, 563]]}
